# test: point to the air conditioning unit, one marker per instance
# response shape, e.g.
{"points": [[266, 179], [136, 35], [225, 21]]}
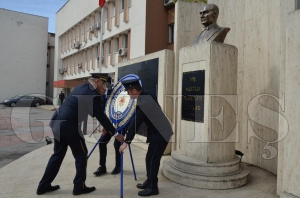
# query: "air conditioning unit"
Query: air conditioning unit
{"points": [[91, 29], [76, 45], [168, 3], [64, 69], [79, 65], [98, 25], [122, 51], [61, 71], [98, 59]]}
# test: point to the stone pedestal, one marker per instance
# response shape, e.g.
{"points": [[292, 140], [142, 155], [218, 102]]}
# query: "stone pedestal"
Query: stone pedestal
{"points": [[163, 88], [205, 152]]}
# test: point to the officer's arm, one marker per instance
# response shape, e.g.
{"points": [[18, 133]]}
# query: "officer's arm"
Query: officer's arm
{"points": [[134, 125], [98, 112]]}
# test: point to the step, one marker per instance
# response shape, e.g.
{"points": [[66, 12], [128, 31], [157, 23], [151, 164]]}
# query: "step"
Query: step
{"points": [[195, 167], [206, 182]]}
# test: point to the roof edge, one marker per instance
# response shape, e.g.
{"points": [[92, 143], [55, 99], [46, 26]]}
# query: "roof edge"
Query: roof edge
{"points": [[25, 13], [62, 6]]}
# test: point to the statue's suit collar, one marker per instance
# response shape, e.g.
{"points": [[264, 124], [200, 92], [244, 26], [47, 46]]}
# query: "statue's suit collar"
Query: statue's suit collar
{"points": [[210, 26], [210, 29]]}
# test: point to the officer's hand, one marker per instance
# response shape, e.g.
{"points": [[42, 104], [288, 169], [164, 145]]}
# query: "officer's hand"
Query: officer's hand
{"points": [[120, 137], [122, 148], [103, 131]]}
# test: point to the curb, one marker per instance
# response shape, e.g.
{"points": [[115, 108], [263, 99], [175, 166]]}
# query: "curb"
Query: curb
{"points": [[48, 107]]}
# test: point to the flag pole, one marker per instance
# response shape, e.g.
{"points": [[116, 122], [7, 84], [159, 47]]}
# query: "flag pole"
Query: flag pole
{"points": [[101, 38], [132, 163], [98, 142], [121, 174], [101, 4]]}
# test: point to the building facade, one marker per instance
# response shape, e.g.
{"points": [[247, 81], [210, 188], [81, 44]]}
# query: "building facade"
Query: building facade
{"points": [[131, 28], [50, 66], [23, 53]]}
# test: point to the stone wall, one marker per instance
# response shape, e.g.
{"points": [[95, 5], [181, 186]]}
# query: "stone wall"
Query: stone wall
{"points": [[258, 31], [291, 167]]}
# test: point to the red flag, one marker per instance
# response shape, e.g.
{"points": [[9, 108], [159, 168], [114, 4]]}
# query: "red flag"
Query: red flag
{"points": [[101, 3]]}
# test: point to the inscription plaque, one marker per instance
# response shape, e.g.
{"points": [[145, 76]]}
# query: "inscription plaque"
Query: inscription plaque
{"points": [[192, 106], [148, 73]]}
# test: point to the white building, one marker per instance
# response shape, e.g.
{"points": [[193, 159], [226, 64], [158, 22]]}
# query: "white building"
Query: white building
{"points": [[132, 28], [23, 53]]}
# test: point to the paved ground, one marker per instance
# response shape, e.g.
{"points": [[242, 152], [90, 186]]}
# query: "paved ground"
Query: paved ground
{"points": [[20, 133], [22, 176], [23, 130]]}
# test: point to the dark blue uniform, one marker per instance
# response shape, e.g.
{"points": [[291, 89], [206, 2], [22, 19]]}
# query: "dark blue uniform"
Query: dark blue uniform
{"points": [[66, 126], [105, 140], [159, 133], [103, 151]]}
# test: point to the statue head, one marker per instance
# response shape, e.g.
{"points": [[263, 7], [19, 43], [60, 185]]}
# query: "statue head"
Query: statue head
{"points": [[209, 14]]}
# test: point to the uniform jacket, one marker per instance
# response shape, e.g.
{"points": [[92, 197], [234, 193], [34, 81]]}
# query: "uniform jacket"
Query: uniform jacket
{"points": [[83, 101], [149, 111]]}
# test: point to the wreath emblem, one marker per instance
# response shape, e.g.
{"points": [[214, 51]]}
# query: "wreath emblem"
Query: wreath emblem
{"points": [[121, 101]]}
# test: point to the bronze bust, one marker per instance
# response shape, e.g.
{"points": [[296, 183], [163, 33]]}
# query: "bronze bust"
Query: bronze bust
{"points": [[211, 31]]}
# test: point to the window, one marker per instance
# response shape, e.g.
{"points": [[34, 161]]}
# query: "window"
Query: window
{"points": [[297, 4], [102, 50], [96, 51], [28, 98], [108, 47], [105, 14], [171, 33], [113, 9], [125, 40], [121, 5], [89, 54], [87, 25], [82, 27], [116, 45]]}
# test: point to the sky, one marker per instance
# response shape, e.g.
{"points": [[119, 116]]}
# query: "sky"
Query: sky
{"points": [[45, 8]]}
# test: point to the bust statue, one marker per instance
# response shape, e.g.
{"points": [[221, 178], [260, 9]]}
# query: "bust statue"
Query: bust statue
{"points": [[211, 31]]}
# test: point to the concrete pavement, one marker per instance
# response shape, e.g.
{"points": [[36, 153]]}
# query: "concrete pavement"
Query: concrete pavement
{"points": [[21, 133], [20, 178], [23, 129], [49, 107]]}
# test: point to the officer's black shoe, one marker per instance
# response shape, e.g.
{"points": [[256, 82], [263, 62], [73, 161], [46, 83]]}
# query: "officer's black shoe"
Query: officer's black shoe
{"points": [[100, 171], [84, 191], [50, 189], [116, 170], [143, 185], [148, 192]]}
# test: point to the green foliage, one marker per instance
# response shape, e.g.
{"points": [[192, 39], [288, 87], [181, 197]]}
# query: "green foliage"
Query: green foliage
{"points": [[195, 1]]}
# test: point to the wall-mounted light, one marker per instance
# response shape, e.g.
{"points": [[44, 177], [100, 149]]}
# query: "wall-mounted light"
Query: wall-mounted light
{"points": [[239, 153]]}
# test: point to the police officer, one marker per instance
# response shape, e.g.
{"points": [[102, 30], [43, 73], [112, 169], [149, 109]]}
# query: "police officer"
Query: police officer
{"points": [[103, 153], [103, 146], [159, 132], [84, 100]]}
